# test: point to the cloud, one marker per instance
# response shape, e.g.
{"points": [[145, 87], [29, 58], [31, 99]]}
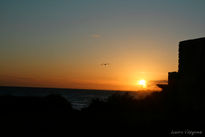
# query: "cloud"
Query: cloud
{"points": [[96, 36], [160, 81]]}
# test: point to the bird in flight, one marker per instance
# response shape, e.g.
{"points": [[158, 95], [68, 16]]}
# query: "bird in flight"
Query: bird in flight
{"points": [[105, 64]]}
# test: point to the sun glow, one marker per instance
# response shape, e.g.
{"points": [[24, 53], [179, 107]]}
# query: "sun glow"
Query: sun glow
{"points": [[142, 83]]}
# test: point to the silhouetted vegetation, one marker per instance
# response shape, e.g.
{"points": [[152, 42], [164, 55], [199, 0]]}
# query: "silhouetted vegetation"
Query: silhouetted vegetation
{"points": [[119, 114], [34, 104], [157, 113]]}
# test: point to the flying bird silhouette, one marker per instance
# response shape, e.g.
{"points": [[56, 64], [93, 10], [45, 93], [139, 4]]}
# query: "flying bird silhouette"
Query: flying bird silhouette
{"points": [[105, 64]]}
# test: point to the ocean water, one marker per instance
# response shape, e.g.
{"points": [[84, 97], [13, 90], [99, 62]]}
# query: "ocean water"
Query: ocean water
{"points": [[79, 98]]}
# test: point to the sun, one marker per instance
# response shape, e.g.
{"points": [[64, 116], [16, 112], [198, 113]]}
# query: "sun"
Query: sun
{"points": [[142, 83]]}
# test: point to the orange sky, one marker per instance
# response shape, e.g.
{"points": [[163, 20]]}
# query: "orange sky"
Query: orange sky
{"points": [[63, 43]]}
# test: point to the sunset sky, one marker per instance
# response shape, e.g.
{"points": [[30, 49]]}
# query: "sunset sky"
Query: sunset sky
{"points": [[63, 43]]}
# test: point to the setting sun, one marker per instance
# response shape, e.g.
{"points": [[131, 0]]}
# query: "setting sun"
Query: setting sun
{"points": [[142, 83]]}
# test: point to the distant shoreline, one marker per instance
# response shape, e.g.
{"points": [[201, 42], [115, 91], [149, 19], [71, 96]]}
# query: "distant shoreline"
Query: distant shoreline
{"points": [[77, 89]]}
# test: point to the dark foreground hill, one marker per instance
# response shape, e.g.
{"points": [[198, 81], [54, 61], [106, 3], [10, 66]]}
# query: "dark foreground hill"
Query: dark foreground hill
{"points": [[123, 115]]}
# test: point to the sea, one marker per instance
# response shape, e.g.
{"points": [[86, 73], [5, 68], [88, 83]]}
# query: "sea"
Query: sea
{"points": [[79, 98]]}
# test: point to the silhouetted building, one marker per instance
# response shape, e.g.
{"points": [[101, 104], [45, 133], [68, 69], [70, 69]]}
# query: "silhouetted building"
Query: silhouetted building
{"points": [[187, 85]]}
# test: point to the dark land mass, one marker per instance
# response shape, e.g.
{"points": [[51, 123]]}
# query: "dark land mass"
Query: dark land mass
{"points": [[120, 114]]}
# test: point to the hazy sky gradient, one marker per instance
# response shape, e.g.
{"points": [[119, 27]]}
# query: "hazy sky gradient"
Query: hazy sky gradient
{"points": [[62, 43]]}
